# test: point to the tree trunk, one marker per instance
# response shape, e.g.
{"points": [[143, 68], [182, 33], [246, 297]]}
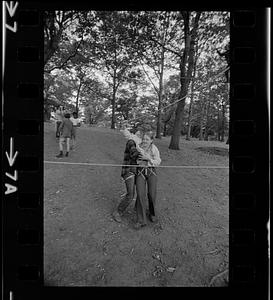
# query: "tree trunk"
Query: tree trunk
{"points": [[201, 123], [218, 125], [186, 59], [113, 121], [52, 37], [165, 129], [174, 144], [206, 137], [166, 120], [189, 130], [78, 95], [189, 117], [228, 87], [158, 128], [223, 123], [160, 90], [190, 110], [191, 99], [53, 34]]}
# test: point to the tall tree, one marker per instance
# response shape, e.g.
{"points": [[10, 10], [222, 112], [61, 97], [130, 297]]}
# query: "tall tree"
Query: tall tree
{"points": [[55, 25], [171, 92], [111, 46], [209, 28], [159, 29], [186, 67], [192, 95]]}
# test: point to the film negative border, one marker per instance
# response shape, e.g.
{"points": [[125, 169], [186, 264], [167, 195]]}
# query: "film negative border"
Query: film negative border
{"points": [[23, 154], [23, 136], [248, 151]]}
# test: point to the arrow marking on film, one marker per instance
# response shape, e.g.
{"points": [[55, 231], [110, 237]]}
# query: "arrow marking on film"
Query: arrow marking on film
{"points": [[14, 177], [14, 28], [11, 8], [11, 157]]}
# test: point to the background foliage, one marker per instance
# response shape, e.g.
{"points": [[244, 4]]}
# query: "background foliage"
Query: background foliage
{"points": [[168, 69]]}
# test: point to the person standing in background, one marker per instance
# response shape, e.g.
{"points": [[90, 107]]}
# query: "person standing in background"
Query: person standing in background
{"points": [[76, 123], [59, 116], [66, 128]]}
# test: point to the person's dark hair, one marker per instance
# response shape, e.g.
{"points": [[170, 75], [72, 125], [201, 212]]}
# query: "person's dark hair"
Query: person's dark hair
{"points": [[150, 134], [130, 149], [145, 127], [67, 115], [74, 114], [133, 130]]}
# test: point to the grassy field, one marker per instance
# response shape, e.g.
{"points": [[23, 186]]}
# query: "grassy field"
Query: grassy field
{"points": [[84, 246]]}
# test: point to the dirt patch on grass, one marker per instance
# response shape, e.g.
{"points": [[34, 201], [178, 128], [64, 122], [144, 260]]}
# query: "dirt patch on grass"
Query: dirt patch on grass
{"points": [[214, 150]]}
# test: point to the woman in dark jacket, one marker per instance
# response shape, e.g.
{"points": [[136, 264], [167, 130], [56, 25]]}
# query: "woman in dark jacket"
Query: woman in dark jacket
{"points": [[131, 155]]}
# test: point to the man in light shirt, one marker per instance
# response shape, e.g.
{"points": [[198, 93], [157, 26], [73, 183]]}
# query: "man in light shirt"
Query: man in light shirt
{"points": [[59, 116], [76, 123]]}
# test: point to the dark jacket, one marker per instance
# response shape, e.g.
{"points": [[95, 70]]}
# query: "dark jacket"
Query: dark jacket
{"points": [[66, 128], [130, 158]]}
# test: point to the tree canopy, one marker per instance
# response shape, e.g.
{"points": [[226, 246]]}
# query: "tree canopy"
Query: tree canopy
{"points": [[168, 68]]}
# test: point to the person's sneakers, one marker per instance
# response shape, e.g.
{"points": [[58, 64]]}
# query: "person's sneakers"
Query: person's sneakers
{"points": [[153, 219], [66, 154], [59, 155], [116, 216], [138, 225]]}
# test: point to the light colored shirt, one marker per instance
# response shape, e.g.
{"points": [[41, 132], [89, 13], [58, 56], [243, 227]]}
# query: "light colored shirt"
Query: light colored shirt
{"points": [[75, 121], [58, 115], [130, 136], [154, 155]]}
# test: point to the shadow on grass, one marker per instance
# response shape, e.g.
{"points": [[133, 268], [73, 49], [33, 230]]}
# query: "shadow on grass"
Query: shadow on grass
{"points": [[214, 150]]}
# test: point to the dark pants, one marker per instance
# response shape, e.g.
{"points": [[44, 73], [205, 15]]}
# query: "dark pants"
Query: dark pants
{"points": [[144, 178], [130, 187], [74, 128], [58, 123]]}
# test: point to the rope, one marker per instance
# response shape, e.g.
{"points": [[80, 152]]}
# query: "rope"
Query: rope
{"points": [[214, 77], [120, 165], [173, 103]]}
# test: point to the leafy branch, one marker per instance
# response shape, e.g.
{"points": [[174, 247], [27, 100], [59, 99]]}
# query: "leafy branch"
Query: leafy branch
{"points": [[68, 58]]}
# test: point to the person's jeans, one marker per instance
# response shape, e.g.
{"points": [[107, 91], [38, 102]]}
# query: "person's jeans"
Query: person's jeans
{"points": [[73, 137], [62, 141], [58, 123], [127, 199], [144, 178]]}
